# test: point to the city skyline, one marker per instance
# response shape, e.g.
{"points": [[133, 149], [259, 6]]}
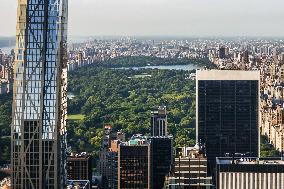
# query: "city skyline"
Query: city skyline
{"points": [[160, 94], [165, 18]]}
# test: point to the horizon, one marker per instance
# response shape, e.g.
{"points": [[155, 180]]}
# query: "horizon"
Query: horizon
{"points": [[184, 18]]}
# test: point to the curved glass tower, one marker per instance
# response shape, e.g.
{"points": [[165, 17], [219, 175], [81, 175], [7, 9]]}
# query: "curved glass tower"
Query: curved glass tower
{"points": [[40, 99]]}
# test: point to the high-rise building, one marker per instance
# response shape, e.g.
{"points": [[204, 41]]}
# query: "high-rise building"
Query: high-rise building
{"points": [[40, 98], [189, 171], [260, 173], [79, 167], [161, 160], [144, 162], [227, 112], [134, 164], [159, 123]]}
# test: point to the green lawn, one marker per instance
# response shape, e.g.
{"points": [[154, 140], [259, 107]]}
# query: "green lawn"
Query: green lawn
{"points": [[76, 117]]}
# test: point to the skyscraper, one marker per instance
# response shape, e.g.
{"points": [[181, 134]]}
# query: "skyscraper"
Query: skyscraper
{"points": [[161, 160], [228, 112], [159, 123], [40, 102], [134, 164]]}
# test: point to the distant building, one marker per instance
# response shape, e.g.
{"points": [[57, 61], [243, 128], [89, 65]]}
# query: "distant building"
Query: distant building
{"points": [[222, 52], [227, 112], [246, 57], [79, 167], [159, 123], [134, 165], [108, 157], [241, 173], [189, 171]]}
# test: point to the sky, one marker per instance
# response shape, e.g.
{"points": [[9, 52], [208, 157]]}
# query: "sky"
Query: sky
{"points": [[164, 17]]}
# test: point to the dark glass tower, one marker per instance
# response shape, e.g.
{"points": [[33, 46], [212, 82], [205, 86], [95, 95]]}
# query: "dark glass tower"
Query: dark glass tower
{"points": [[228, 112], [134, 166], [161, 160], [39, 106]]}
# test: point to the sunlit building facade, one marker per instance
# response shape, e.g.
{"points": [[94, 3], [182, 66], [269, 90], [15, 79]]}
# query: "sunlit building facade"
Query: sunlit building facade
{"points": [[40, 99]]}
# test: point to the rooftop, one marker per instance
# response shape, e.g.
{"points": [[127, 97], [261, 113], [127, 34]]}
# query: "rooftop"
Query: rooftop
{"points": [[249, 160], [227, 75]]}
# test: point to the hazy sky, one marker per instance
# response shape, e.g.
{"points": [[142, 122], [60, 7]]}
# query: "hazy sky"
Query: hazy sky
{"points": [[165, 17]]}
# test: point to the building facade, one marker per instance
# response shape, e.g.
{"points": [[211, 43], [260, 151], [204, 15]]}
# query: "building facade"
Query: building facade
{"points": [[40, 98], [79, 167], [161, 160], [227, 112], [159, 123], [250, 173], [134, 164], [189, 171]]}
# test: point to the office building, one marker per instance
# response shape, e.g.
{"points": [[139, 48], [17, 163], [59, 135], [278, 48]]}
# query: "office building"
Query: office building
{"points": [[134, 164], [227, 112], [40, 98], [79, 167], [161, 160], [250, 173], [189, 171], [159, 123]]}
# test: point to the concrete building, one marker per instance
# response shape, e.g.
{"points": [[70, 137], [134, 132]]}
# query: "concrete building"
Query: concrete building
{"points": [[189, 171], [250, 173]]}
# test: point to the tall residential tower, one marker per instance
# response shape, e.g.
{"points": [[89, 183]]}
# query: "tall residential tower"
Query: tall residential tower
{"points": [[40, 102]]}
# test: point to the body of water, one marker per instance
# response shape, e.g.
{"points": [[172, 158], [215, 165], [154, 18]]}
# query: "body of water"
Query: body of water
{"points": [[173, 67], [7, 50]]}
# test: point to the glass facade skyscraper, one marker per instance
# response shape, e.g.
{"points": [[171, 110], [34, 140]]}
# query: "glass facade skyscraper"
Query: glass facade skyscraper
{"points": [[228, 112], [40, 99]]}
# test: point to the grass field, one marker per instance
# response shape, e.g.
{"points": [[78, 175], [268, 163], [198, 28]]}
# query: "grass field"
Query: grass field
{"points": [[76, 117]]}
